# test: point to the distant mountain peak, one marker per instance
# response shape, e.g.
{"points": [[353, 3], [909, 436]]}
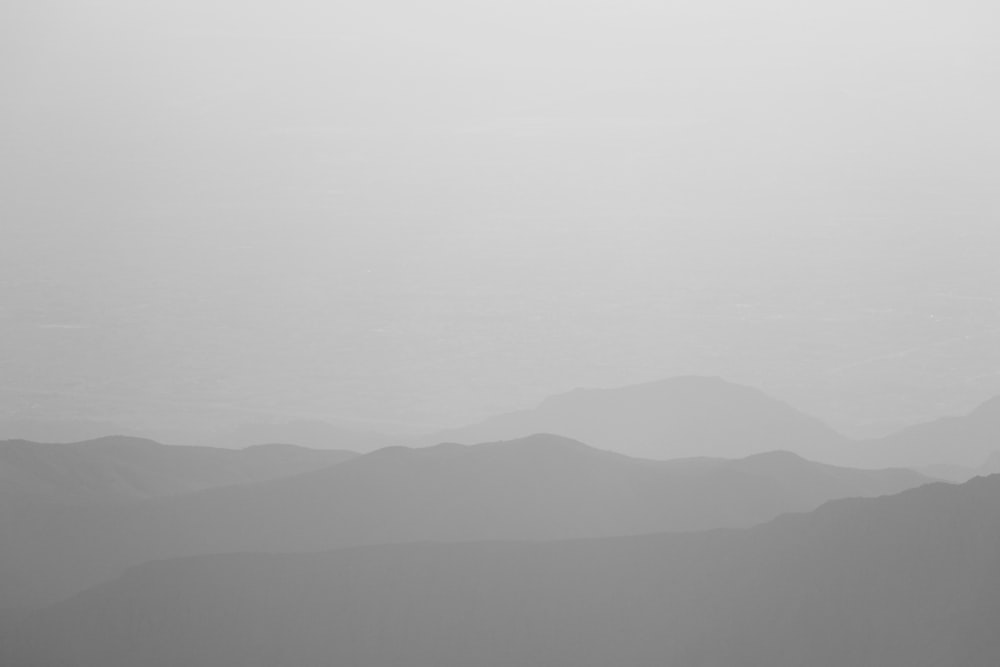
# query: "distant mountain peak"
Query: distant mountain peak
{"points": [[406, 453], [989, 409], [690, 385], [542, 447], [685, 416], [964, 440], [550, 441], [275, 446], [118, 441], [536, 442], [776, 456]]}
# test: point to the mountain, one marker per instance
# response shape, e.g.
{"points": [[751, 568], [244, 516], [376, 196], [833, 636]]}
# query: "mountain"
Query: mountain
{"points": [[694, 415], [951, 473], [902, 581], [677, 417], [543, 487], [992, 464], [58, 430], [965, 440], [126, 468], [307, 433]]}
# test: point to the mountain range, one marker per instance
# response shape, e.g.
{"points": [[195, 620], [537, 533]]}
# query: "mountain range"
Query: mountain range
{"points": [[125, 468], [679, 417], [967, 439], [543, 487], [908, 580], [533, 548], [694, 415]]}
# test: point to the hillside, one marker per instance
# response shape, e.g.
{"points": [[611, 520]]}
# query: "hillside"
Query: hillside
{"points": [[541, 487], [902, 581]]}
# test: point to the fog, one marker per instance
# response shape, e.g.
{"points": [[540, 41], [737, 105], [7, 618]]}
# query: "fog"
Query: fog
{"points": [[405, 216], [461, 333]]}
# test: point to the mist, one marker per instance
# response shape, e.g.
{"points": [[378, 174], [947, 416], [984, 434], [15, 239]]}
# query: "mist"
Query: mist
{"points": [[464, 333], [405, 217]]}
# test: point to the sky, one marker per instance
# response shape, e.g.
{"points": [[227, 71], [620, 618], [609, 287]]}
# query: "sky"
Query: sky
{"points": [[405, 215]]}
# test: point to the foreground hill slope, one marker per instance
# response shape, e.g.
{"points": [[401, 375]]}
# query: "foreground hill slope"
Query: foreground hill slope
{"points": [[125, 468], [903, 581], [543, 487]]}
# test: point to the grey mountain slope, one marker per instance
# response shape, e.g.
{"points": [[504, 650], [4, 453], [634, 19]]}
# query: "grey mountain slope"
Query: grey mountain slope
{"points": [[126, 468], [992, 464], [963, 440], [543, 487], [682, 416], [951, 473], [903, 581]]}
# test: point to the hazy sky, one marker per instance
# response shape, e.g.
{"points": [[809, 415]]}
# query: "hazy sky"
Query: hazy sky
{"points": [[420, 213]]}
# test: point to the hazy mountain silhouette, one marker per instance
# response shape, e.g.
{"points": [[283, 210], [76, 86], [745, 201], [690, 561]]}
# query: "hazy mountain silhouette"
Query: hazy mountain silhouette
{"points": [[682, 416], [992, 464], [541, 487], [125, 468], [951, 473], [307, 433], [902, 581], [694, 415], [964, 440], [676, 417], [59, 430]]}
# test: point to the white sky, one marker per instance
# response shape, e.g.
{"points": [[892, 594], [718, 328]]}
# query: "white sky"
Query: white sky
{"points": [[424, 212]]}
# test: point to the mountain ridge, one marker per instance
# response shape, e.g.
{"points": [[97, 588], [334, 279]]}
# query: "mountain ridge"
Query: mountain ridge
{"points": [[664, 419], [544, 487], [124, 468], [895, 581]]}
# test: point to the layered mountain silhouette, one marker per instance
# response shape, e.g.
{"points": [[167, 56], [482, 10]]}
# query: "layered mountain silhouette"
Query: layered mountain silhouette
{"points": [[58, 430], [678, 417], [694, 415], [992, 464], [543, 487], [903, 581], [965, 440], [314, 434], [126, 468]]}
